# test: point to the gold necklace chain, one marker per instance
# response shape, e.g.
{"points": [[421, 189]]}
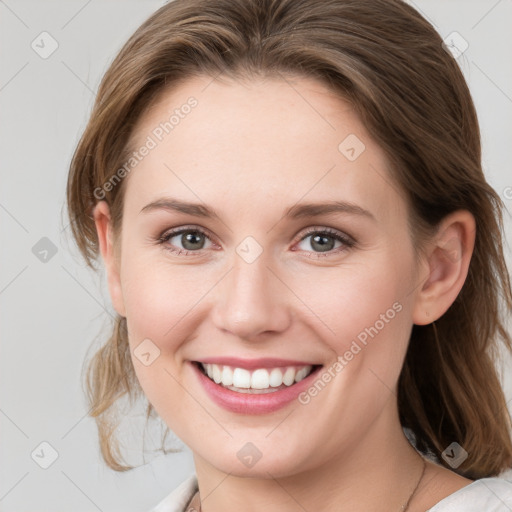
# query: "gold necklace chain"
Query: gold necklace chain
{"points": [[196, 500]]}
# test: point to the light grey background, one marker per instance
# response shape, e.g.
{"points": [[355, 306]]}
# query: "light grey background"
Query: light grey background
{"points": [[51, 312]]}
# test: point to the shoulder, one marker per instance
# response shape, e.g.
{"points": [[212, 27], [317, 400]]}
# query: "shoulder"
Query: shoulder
{"points": [[489, 494], [178, 500]]}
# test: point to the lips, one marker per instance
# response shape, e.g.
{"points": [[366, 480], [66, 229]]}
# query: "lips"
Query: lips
{"points": [[255, 386], [250, 364]]}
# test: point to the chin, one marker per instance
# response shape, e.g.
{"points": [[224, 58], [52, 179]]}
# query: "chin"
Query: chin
{"points": [[249, 462]]}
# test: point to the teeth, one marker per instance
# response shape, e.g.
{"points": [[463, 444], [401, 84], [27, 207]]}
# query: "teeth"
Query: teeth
{"points": [[261, 378], [289, 376], [241, 378], [301, 374], [227, 376], [276, 378], [217, 374]]}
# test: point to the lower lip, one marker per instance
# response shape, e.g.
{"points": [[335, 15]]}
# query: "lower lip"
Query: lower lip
{"points": [[246, 403]]}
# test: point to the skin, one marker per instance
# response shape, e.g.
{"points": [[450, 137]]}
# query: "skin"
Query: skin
{"points": [[250, 150]]}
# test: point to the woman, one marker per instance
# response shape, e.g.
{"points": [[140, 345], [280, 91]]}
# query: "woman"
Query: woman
{"points": [[304, 255]]}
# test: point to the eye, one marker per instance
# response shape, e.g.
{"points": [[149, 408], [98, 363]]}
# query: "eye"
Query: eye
{"points": [[191, 240], [324, 240]]}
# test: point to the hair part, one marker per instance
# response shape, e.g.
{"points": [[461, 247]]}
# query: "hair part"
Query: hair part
{"points": [[386, 60]]}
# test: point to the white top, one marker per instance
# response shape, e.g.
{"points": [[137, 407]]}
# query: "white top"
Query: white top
{"points": [[484, 495]]}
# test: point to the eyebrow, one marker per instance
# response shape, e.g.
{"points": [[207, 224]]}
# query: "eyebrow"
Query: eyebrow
{"points": [[294, 212]]}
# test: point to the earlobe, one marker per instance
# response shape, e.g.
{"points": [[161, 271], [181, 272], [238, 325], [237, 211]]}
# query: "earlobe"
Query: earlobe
{"points": [[102, 220], [448, 264]]}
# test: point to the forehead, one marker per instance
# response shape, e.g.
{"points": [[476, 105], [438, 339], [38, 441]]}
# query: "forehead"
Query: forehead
{"points": [[261, 142]]}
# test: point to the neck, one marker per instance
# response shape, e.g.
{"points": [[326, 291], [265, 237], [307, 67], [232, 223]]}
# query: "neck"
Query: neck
{"points": [[382, 468]]}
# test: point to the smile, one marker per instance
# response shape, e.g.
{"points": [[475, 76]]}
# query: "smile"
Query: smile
{"points": [[253, 389], [260, 380]]}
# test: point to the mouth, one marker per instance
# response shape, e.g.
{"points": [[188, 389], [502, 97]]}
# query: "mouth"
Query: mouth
{"points": [[256, 380]]}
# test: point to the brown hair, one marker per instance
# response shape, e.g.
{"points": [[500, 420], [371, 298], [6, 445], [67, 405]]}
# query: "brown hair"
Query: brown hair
{"points": [[389, 62]]}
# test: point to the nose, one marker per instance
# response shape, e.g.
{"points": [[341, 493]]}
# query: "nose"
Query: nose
{"points": [[251, 300]]}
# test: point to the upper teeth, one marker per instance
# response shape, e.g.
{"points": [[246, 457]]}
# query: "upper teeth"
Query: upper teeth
{"points": [[261, 378]]}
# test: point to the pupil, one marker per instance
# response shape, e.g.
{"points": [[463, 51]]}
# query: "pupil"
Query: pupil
{"points": [[323, 244], [191, 238]]}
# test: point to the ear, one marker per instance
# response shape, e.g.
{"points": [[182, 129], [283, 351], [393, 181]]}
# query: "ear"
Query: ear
{"points": [[448, 262], [102, 219]]}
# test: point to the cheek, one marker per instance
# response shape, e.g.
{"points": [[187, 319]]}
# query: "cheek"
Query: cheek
{"points": [[159, 296], [370, 313], [159, 305], [164, 307], [364, 313], [352, 301]]}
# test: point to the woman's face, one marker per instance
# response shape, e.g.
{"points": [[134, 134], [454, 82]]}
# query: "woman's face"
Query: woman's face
{"points": [[259, 273]]}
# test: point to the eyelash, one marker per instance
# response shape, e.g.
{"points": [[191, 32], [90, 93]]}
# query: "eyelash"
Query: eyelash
{"points": [[348, 242]]}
